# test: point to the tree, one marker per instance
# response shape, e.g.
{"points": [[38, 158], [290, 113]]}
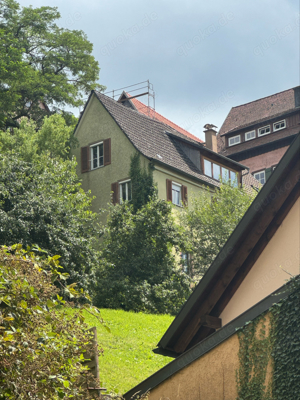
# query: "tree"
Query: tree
{"points": [[43, 344], [138, 270], [42, 67], [41, 199], [210, 221], [141, 182]]}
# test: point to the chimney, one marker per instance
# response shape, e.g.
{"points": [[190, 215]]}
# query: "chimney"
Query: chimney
{"points": [[210, 137]]}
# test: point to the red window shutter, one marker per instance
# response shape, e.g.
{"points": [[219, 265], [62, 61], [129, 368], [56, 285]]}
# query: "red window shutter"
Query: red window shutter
{"points": [[115, 190], [107, 151], [184, 195], [169, 190], [85, 162]]}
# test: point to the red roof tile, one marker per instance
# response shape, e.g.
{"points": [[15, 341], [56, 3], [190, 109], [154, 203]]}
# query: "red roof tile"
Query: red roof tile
{"points": [[150, 112]]}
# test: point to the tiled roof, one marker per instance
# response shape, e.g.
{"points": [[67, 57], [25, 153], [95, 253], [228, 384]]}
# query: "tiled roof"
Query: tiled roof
{"points": [[258, 111], [150, 138], [144, 109]]}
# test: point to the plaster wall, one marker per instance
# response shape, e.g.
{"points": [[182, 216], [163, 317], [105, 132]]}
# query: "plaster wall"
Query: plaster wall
{"points": [[268, 273], [211, 377], [97, 125], [160, 176]]}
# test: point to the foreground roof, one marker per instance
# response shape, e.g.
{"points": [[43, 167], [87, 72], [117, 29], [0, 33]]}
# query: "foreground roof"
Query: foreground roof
{"points": [[238, 255], [262, 109]]}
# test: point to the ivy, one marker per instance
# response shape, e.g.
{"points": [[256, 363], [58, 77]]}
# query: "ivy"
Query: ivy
{"points": [[279, 349]]}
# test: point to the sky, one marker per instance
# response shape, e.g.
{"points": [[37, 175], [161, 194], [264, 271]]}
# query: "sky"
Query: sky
{"points": [[202, 58]]}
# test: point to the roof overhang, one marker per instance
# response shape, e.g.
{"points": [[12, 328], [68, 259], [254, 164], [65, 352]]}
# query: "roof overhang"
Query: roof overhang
{"points": [[238, 255]]}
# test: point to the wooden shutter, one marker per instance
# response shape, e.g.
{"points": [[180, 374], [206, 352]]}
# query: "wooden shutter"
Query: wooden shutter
{"points": [[169, 190], [107, 151], [184, 195], [115, 190], [85, 162]]}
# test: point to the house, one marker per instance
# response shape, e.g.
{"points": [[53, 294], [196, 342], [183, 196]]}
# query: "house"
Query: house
{"points": [[109, 133], [245, 280], [258, 133]]}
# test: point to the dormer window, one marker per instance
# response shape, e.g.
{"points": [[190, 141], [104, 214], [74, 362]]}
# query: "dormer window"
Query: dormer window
{"points": [[279, 125], [250, 135], [234, 140], [264, 131]]}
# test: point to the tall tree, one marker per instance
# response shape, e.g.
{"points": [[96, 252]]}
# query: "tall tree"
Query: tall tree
{"points": [[42, 66], [210, 221]]}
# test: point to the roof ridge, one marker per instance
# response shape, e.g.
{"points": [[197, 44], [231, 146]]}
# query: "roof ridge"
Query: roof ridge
{"points": [[143, 115], [262, 98]]}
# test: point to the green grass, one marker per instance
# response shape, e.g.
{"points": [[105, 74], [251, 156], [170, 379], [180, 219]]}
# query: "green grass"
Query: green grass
{"points": [[128, 358]]}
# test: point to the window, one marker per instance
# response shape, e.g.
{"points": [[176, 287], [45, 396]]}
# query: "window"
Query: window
{"points": [[225, 174], [250, 135], [279, 125], [216, 171], [176, 194], [260, 176], [234, 140], [233, 179], [97, 156], [264, 131], [185, 262], [125, 191], [207, 168]]}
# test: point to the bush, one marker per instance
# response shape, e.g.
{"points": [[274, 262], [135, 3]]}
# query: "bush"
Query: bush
{"points": [[42, 346]]}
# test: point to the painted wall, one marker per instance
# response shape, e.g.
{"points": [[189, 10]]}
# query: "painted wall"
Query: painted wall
{"points": [[161, 174], [97, 125], [212, 376], [267, 274]]}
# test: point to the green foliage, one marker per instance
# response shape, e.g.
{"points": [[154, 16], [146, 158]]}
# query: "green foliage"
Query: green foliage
{"points": [[141, 183], [286, 349], [138, 269], [42, 203], [254, 357], [54, 137], [128, 358], [42, 347], [210, 221], [41, 63]]}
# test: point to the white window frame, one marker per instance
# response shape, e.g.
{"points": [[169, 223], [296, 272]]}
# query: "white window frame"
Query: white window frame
{"points": [[97, 145], [260, 172], [251, 138], [234, 137], [180, 194], [279, 122], [126, 188], [266, 133]]}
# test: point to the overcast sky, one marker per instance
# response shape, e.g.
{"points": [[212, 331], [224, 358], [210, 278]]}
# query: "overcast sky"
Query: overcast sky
{"points": [[202, 58]]}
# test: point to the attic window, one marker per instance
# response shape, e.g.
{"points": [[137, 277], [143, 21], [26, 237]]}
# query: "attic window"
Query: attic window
{"points": [[279, 125], [260, 176], [250, 135], [264, 131], [234, 140]]}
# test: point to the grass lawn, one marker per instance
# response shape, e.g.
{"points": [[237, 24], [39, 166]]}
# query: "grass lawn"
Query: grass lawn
{"points": [[128, 358]]}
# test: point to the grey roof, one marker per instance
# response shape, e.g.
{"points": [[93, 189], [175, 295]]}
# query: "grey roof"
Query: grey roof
{"points": [[150, 138]]}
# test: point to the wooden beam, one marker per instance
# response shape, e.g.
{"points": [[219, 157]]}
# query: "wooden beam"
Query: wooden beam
{"points": [[211, 322]]}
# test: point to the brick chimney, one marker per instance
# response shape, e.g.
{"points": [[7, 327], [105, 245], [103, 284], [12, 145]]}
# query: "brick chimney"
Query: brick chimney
{"points": [[210, 137]]}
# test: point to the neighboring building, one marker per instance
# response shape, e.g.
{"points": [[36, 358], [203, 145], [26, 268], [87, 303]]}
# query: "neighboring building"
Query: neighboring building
{"points": [[258, 133], [244, 281], [109, 133]]}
